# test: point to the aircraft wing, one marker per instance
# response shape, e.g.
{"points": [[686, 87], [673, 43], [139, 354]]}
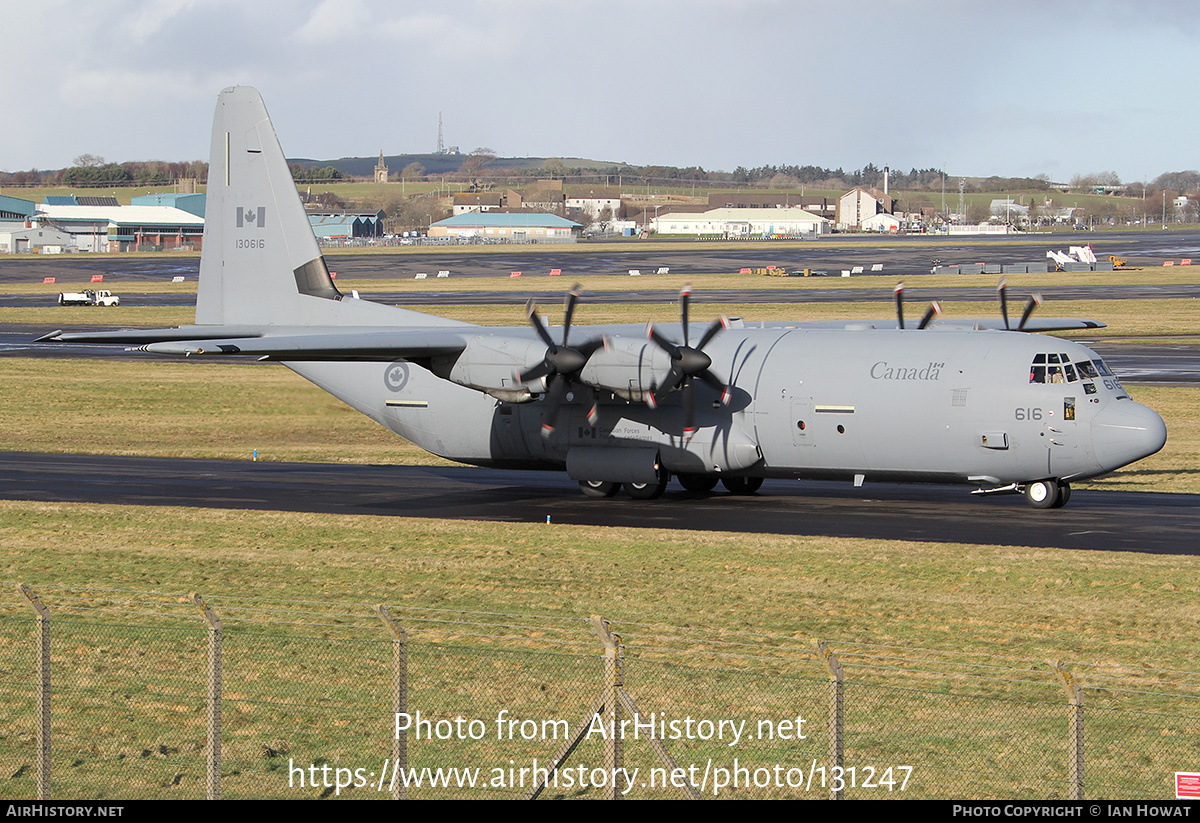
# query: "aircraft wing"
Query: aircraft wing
{"points": [[1033, 324], [1044, 324]]}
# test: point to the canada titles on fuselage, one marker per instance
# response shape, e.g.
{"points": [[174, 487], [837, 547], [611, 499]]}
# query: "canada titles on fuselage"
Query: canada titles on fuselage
{"points": [[883, 370]]}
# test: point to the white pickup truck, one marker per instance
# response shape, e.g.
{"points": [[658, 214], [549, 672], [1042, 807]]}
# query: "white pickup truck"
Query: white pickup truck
{"points": [[89, 297]]}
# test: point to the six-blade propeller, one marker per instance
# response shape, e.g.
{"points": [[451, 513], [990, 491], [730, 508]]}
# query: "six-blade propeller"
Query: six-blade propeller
{"points": [[562, 363], [687, 363]]}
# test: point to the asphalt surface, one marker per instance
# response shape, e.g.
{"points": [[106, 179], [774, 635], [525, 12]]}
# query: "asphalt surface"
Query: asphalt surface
{"points": [[903, 256], [1111, 521], [880, 293]]}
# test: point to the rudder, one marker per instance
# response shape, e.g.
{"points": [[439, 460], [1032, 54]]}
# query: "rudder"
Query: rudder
{"points": [[260, 264]]}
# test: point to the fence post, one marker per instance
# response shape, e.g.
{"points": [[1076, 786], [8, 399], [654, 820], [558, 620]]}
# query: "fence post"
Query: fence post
{"points": [[42, 675], [212, 787], [399, 700], [614, 681], [1075, 743], [836, 720]]}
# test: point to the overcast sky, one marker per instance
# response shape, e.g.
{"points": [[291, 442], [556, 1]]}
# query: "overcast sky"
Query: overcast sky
{"points": [[1012, 88]]}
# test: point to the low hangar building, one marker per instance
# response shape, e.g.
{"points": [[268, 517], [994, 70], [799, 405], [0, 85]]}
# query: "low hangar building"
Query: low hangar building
{"points": [[517, 227], [739, 222]]}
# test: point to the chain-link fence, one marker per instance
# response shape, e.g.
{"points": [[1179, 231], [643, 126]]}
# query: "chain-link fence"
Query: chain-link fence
{"points": [[121, 694]]}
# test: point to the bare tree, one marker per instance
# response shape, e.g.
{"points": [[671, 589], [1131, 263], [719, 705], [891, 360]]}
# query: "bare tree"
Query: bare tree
{"points": [[88, 161]]}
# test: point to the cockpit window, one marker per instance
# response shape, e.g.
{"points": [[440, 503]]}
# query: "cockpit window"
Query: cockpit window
{"points": [[1056, 367]]}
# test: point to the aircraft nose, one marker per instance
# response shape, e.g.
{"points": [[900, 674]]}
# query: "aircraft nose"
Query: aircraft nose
{"points": [[1124, 432]]}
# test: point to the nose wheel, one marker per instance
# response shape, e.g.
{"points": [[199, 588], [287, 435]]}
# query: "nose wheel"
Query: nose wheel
{"points": [[1047, 494]]}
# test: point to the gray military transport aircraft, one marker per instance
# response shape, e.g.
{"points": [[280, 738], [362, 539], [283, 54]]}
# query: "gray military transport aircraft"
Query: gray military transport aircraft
{"points": [[969, 402]]}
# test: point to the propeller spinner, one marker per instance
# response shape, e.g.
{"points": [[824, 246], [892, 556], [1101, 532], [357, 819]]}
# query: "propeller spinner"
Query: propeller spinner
{"points": [[687, 362], [562, 363]]}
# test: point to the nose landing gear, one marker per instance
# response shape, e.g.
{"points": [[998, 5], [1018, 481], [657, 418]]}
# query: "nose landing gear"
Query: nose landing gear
{"points": [[1047, 494]]}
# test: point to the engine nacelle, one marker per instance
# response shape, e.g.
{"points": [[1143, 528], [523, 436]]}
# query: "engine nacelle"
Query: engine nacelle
{"points": [[628, 368], [491, 364]]}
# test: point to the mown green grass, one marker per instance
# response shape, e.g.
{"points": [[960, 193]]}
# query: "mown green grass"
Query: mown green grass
{"points": [[1031, 603]]}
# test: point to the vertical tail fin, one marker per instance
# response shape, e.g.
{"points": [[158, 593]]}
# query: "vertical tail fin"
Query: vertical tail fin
{"points": [[260, 264]]}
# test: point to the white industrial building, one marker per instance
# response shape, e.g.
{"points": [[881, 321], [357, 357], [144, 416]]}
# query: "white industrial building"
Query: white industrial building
{"points": [[771, 222], [16, 238], [858, 204], [122, 228], [882, 222], [595, 201]]}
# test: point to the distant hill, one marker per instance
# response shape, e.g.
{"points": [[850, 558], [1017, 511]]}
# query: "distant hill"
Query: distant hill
{"points": [[440, 163]]}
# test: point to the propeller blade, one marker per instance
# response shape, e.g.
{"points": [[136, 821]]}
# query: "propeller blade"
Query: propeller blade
{"points": [[590, 347], [674, 377], [1035, 300], [531, 310], [569, 306], [899, 293], [662, 342], [540, 370], [718, 324], [689, 411], [684, 295], [715, 382], [553, 401], [935, 309], [1003, 290]]}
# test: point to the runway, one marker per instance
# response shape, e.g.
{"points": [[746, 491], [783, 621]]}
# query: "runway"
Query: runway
{"points": [[880, 293], [904, 256], [1109, 521]]}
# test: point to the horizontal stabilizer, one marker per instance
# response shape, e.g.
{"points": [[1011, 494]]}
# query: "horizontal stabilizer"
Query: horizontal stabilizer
{"points": [[139, 336], [361, 344]]}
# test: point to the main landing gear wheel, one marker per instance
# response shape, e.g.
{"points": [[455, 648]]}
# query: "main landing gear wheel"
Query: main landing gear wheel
{"points": [[698, 482], [1047, 494], [649, 491], [742, 485], [598, 488]]}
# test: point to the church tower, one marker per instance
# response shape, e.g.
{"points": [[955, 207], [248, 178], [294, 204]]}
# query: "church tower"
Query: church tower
{"points": [[381, 169]]}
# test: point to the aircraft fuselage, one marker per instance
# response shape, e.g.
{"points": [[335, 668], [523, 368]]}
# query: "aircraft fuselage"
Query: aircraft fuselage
{"points": [[939, 406]]}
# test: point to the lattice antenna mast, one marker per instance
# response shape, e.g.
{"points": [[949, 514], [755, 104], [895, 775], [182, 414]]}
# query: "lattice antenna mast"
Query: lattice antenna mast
{"points": [[441, 148]]}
